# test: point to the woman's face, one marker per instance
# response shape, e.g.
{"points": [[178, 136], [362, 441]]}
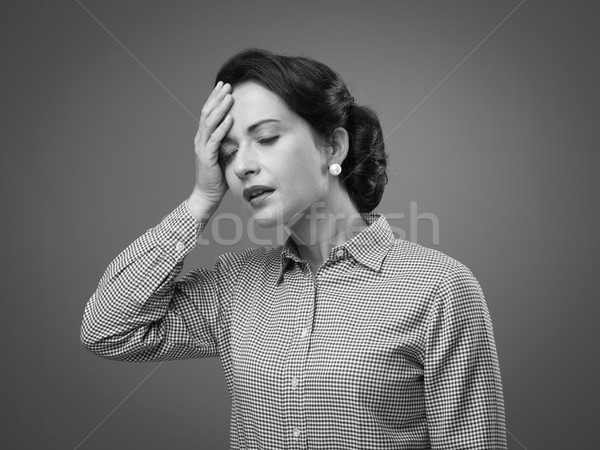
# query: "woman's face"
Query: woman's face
{"points": [[272, 164]]}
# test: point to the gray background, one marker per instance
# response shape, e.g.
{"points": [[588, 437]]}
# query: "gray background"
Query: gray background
{"points": [[95, 151]]}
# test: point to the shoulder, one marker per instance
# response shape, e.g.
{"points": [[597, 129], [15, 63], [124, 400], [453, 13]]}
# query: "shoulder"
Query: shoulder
{"points": [[409, 256], [451, 289], [423, 265], [453, 283]]}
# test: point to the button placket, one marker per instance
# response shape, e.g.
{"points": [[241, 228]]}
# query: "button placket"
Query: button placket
{"points": [[297, 356]]}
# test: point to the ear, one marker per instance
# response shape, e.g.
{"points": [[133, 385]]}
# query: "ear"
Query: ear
{"points": [[340, 144]]}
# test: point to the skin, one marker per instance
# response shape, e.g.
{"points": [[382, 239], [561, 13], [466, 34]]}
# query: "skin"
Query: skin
{"points": [[248, 136]]}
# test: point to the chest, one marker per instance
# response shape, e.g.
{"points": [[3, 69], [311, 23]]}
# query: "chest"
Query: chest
{"points": [[340, 332]]}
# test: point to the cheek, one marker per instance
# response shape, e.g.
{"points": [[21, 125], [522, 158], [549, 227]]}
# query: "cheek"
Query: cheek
{"points": [[309, 162], [232, 181], [314, 169], [307, 179]]}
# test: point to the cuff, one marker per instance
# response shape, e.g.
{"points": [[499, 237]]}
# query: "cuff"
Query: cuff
{"points": [[178, 232]]}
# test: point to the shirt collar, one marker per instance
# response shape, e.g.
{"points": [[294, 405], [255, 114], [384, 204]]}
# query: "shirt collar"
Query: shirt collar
{"points": [[369, 247]]}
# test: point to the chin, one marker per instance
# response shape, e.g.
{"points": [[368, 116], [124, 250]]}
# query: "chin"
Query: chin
{"points": [[274, 215], [266, 222], [265, 218]]}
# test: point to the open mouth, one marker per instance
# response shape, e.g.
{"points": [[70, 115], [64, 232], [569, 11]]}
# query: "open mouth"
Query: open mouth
{"points": [[260, 194], [256, 194]]}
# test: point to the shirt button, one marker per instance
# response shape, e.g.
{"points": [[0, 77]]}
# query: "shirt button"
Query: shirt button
{"points": [[296, 433], [294, 383], [339, 253], [179, 246], [304, 333]]}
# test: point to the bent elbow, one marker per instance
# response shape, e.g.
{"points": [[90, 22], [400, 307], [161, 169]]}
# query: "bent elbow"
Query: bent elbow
{"points": [[98, 343], [92, 341]]}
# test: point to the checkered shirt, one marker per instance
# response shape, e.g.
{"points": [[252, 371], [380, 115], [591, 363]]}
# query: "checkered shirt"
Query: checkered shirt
{"points": [[388, 346]]}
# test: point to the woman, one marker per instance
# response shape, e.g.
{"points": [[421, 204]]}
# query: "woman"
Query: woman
{"points": [[342, 338]]}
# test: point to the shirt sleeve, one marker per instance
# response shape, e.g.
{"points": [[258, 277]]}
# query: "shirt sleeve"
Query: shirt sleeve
{"points": [[140, 313], [463, 391]]}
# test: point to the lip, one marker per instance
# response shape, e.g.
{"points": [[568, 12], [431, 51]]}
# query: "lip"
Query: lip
{"points": [[251, 191], [260, 200]]}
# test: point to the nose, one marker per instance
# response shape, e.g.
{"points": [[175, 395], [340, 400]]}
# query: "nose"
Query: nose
{"points": [[245, 164]]}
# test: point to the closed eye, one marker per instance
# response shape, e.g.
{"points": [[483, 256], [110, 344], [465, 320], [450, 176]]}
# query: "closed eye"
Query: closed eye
{"points": [[226, 155], [267, 141]]}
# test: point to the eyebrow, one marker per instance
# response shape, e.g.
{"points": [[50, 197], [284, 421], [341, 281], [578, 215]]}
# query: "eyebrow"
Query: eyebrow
{"points": [[251, 128], [254, 126]]}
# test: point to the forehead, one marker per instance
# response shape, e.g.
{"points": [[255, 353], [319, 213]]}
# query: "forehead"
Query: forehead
{"points": [[253, 102]]}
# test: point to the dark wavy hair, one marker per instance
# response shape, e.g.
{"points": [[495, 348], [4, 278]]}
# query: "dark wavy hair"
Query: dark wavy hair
{"points": [[320, 96]]}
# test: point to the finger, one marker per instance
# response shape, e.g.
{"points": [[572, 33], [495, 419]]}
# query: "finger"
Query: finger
{"points": [[215, 91], [214, 142], [210, 123], [217, 95], [215, 98], [219, 112], [212, 96]]}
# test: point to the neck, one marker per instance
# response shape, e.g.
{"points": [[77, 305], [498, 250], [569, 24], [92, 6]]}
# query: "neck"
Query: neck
{"points": [[319, 230]]}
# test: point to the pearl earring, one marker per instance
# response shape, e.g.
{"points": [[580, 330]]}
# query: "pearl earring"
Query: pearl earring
{"points": [[335, 169]]}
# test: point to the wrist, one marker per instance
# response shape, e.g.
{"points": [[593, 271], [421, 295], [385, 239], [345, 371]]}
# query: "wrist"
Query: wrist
{"points": [[200, 207]]}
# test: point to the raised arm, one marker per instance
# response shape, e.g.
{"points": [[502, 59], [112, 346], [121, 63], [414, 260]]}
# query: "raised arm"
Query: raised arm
{"points": [[139, 312]]}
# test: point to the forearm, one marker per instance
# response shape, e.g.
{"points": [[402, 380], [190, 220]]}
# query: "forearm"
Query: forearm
{"points": [[129, 315]]}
